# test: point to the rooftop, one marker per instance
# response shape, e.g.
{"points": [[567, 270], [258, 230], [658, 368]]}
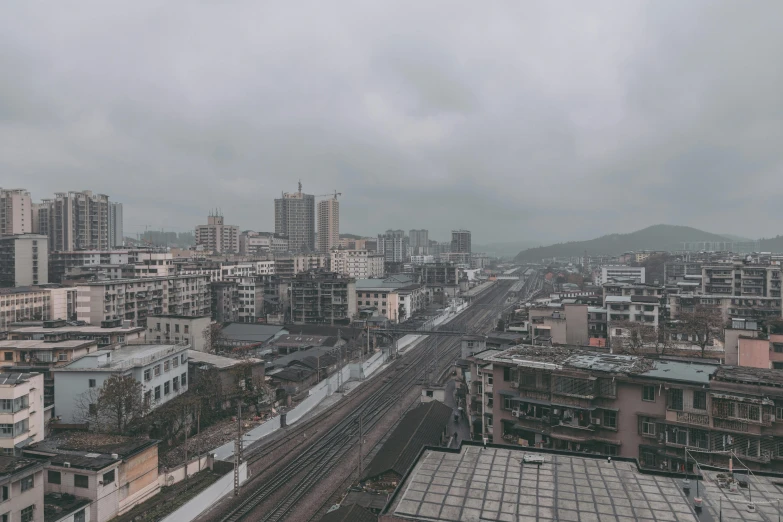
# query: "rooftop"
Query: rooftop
{"points": [[388, 283], [46, 345], [32, 330], [349, 513], [12, 379], [59, 505], [85, 450], [496, 484], [218, 361], [681, 371], [256, 333], [746, 375], [304, 340], [11, 465], [127, 356]]}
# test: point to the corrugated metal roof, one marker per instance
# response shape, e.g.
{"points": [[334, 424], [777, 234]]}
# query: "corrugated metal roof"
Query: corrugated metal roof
{"points": [[258, 333]]}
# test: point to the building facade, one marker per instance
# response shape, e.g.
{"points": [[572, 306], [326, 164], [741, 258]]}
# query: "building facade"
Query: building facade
{"points": [[322, 298], [135, 299], [255, 243], [116, 230], [741, 279], [75, 221], [24, 260], [460, 241], [359, 264], [328, 225], [21, 410], [22, 484], [295, 219], [16, 212], [217, 236], [394, 246], [175, 329], [620, 272], [36, 304], [419, 242]]}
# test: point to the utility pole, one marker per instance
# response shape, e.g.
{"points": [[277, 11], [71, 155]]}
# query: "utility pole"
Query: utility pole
{"points": [[340, 366], [361, 442], [238, 450]]}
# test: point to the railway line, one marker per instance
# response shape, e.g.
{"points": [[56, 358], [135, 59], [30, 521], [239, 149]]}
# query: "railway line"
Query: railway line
{"points": [[277, 486]]}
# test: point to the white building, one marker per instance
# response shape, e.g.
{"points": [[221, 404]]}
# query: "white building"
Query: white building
{"points": [[217, 236], [635, 273], [24, 260], [162, 369], [252, 243], [16, 212], [116, 232], [135, 299], [21, 410], [360, 264], [179, 328], [328, 224]]}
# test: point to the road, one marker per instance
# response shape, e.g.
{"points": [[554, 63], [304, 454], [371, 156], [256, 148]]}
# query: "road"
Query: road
{"points": [[285, 475]]}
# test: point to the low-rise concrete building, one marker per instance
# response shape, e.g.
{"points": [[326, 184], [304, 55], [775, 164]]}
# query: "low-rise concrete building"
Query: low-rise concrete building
{"points": [[189, 329], [22, 486], [161, 369], [114, 473], [359, 264], [36, 303], [396, 297], [61, 330]]}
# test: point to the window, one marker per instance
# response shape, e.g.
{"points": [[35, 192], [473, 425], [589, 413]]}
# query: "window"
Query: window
{"points": [[81, 481], [779, 413], [675, 399], [9, 356], [647, 426], [610, 419], [166, 366], [176, 328], [778, 347], [147, 397], [699, 400], [91, 383], [610, 449], [429, 393], [186, 329], [648, 393], [23, 426], [618, 331], [147, 375], [182, 358], [166, 388], [54, 477], [27, 514], [27, 483], [508, 404], [184, 379], [157, 370], [175, 383], [777, 365], [62, 357], [5, 517], [108, 477], [175, 362], [157, 393], [80, 516], [5, 493]]}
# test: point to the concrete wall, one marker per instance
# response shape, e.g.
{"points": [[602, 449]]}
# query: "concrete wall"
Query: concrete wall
{"points": [[139, 475], [576, 325], [193, 509], [175, 475], [753, 353]]}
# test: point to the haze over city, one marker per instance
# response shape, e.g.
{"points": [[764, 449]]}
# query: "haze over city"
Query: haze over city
{"points": [[489, 117]]}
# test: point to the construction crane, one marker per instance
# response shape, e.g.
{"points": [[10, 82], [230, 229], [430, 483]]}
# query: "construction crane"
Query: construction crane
{"points": [[332, 195]]}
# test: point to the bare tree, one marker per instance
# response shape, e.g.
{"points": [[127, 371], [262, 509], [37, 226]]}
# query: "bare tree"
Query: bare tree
{"points": [[174, 417], [117, 407], [703, 325], [639, 338], [213, 337], [252, 389]]}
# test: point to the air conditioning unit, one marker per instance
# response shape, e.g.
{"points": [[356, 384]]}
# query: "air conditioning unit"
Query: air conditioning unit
{"points": [[515, 413]]}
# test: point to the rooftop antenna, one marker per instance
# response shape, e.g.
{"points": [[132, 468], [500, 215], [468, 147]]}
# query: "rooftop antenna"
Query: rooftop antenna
{"points": [[300, 186]]}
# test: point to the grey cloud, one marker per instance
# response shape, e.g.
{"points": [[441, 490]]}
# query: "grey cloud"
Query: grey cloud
{"points": [[520, 120]]}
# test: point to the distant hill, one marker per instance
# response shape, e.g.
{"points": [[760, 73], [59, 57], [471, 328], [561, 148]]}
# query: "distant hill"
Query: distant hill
{"points": [[772, 244], [656, 237], [350, 236]]}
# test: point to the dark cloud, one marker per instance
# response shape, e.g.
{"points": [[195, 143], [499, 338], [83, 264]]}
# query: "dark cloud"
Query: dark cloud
{"points": [[519, 120]]}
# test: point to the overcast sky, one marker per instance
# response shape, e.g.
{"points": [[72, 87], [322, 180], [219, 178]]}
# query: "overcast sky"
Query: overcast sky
{"points": [[518, 120]]}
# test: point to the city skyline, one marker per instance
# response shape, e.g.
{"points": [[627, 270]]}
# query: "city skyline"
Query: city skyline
{"points": [[466, 130]]}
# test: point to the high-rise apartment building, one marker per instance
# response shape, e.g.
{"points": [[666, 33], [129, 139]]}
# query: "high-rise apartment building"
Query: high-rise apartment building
{"points": [[16, 212], [328, 224], [419, 242], [116, 233], [295, 218], [394, 246], [217, 236], [24, 260], [74, 221], [460, 241]]}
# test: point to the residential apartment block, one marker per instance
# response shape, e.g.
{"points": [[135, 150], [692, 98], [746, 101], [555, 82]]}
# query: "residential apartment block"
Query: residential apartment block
{"points": [[397, 297], [116, 229], [629, 406], [328, 224], [460, 241], [359, 264], [419, 242], [168, 329], [24, 260], [322, 298], [135, 299], [394, 246], [161, 369], [295, 219], [254, 243], [619, 273], [218, 237], [36, 303], [566, 325], [75, 221], [16, 212], [21, 410], [22, 486], [741, 279]]}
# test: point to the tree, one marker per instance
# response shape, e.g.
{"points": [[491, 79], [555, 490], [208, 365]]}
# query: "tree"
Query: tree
{"points": [[703, 325], [116, 407], [639, 338], [401, 313], [171, 419], [214, 339]]}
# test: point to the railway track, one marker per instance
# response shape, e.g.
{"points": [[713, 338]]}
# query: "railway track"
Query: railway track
{"points": [[279, 494]]}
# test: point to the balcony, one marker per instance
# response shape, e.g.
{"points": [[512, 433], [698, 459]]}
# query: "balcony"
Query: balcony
{"points": [[688, 417], [731, 425]]}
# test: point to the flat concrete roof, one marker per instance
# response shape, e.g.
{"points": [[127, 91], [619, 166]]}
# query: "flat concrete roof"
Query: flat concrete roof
{"points": [[77, 329], [218, 361], [494, 484], [43, 345], [681, 371]]}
